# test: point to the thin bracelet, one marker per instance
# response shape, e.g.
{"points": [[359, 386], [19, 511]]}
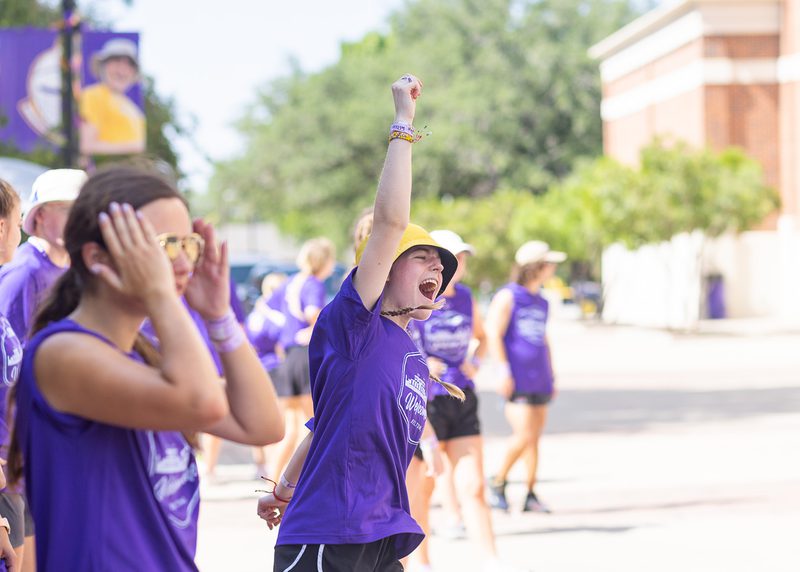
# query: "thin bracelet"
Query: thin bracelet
{"points": [[275, 494], [286, 483]]}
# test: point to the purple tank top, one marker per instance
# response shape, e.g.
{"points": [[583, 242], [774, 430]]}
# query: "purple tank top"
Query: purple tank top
{"points": [[525, 342], [446, 335], [298, 294], [104, 497], [263, 327]]}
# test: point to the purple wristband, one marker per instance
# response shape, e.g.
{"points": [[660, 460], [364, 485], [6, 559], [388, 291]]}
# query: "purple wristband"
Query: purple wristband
{"points": [[225, 333]]}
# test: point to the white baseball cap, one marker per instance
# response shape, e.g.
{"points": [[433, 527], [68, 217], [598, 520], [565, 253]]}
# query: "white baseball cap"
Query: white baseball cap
{"points": [[452, 242], [51, 186], [537, 251]]}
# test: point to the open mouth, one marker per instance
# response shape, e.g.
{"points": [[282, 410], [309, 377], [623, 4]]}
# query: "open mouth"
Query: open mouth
{"points": [[429, 288]]}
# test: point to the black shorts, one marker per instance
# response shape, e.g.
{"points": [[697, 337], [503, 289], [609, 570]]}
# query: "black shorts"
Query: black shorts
{"points": [[14, 507], [530, 398], [378, 556], [294, 378], [451, 418]]}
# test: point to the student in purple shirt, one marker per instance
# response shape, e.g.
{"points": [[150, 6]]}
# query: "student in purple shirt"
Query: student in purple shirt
{"points": [[343, 492], [515, 329], [11, 504], [115, 417], [300, 300], [25, 281], [445, 340]]}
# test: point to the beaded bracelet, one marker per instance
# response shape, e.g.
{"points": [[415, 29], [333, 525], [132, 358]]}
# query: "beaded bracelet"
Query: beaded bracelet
{"points": [[401, 135], [225, 333]]}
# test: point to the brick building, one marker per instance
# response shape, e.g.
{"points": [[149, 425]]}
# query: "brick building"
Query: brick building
{"points": [[716, 73]]}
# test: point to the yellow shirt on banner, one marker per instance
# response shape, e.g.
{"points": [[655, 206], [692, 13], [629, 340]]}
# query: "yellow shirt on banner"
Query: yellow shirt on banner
{"points": [[116, 118]]}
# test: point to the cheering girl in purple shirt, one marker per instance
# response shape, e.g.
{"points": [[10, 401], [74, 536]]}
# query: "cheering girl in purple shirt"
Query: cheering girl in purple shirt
{"points": [[348, 506], [113, 418], [515, 330]]}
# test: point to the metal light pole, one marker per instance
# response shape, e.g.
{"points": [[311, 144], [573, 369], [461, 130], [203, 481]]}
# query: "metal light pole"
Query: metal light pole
{"points": [[68, 154]]}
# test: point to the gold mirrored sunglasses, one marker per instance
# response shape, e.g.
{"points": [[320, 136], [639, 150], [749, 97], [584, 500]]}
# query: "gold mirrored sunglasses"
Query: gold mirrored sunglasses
{"points": [[173, 244]]}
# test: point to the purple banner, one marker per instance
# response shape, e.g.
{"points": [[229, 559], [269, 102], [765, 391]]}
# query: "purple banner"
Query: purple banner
{"points": [[110, 103]]}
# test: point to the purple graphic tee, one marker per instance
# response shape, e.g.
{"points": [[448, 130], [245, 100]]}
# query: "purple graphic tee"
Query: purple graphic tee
{"points": [[24, 283], [446, 335], [263, 327], [298, 294], [103, 497], [11, 350], [525, 342], [369, 387]]}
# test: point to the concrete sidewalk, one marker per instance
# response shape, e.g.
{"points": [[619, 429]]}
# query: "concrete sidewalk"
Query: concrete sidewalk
{"points": [[663, 452]]}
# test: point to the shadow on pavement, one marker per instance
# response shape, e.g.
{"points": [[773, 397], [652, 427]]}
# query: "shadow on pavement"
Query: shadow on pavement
{"points": [[592, 411]]}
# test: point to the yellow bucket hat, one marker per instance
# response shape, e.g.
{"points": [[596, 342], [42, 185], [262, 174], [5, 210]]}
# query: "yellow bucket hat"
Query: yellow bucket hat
{"points": [[415, 235]]}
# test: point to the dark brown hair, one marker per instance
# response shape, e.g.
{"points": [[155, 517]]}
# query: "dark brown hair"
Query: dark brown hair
{"points": [[135, 185]]}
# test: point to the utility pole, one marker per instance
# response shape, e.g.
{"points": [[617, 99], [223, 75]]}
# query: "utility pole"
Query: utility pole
{"points": [[68, 154]]}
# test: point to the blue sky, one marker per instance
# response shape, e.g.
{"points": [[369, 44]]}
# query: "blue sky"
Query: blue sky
{"points": [[211, 57]]}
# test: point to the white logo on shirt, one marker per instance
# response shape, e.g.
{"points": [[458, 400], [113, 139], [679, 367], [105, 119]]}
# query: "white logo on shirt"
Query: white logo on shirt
{"points": [[412, 397]]}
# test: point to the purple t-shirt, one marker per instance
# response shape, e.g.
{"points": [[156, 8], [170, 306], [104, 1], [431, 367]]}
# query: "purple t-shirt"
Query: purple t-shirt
{"points": [[369, 386], [11, 349], [525, 342], [24, 283], [446, 335], [263, 327], [104, 497], [299, 293]]}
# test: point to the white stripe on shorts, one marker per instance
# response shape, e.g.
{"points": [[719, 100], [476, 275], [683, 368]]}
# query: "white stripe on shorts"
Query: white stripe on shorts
{"points": [[296, 560], [319, 557]]}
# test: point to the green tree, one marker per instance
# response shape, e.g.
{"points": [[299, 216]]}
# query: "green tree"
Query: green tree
{"points": [[675, 189], [511, 98]]}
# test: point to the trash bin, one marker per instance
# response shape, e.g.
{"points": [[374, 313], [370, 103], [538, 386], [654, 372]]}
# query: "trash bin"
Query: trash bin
{"points": [[715, 297]]}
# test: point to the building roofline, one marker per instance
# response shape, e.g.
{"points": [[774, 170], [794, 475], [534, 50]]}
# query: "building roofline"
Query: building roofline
{"points": [[652, 21]]}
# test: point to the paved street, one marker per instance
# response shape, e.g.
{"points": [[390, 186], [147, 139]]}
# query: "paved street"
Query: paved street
{"points": [[664, 452]]}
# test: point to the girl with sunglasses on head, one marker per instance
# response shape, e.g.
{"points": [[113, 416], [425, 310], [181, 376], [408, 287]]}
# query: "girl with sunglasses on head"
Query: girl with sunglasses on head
{"points": [[114, 417], [344, 489]]}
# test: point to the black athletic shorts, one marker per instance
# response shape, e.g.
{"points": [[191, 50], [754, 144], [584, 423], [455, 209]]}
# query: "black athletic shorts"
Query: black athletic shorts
{"points": [[294, 378], [530, 398], [378, 556], [15, 508], [451, 418]]}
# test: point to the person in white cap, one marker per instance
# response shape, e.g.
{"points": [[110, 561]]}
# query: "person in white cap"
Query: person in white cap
{"points": [[515, 330], [39, 262], [448, 341], [111, 123]]}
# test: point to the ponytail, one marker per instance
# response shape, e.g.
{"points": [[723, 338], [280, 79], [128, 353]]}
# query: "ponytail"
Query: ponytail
{"points": [[452, 389], [62, 300]]}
